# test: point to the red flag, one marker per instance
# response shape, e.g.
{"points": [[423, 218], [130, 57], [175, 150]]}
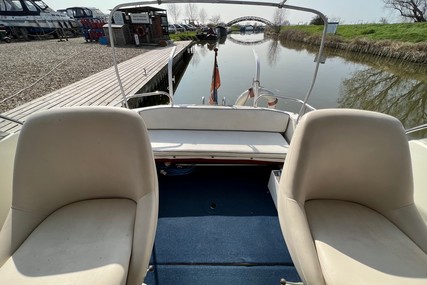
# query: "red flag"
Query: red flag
{"points": [[216, 82]]}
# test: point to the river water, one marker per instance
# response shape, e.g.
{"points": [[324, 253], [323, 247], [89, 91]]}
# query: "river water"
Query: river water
{"points": [[345, 80]]}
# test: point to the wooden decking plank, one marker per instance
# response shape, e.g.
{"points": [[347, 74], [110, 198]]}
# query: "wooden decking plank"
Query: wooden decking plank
{"points": [[129, 75], [49, 100], [102, 87], [57, 94], [112, 89], [81, 98], [101, 75], [131, 84]]}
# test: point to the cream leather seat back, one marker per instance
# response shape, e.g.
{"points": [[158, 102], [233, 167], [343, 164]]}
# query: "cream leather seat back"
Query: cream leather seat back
{"points": [[85, 200], [346, 204]]}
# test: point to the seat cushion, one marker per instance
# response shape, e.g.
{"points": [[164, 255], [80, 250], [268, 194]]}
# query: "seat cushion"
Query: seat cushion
{"points": [[87, 242], [218, 144], [357, 245], [215, 118]]}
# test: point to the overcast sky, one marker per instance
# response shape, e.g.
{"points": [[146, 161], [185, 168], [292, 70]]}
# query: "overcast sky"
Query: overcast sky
{"points": [[347, 11]]}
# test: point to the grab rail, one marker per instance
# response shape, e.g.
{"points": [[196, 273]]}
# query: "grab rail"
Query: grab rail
{"points": [[284, 98], [170, 74], [416, 129], [280, 5], [10, 119], [152, 94]]}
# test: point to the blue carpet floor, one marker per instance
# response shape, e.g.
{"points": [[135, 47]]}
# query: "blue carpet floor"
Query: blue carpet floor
{"points": [[219, 275], [218, 225]]}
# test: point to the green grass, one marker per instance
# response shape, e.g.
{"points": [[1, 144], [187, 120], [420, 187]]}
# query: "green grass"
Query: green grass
{"points": [[404, 32], [184, 36]]}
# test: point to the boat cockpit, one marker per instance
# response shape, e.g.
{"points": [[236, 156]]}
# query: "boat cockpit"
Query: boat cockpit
{"points": [[236, 194]]}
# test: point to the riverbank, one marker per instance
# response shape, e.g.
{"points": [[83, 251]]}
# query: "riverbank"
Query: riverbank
{"points": [[406, 41], [183, 36]]}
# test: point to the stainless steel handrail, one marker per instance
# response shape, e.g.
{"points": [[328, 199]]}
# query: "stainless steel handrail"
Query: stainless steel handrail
{"points": [[230, 2], [284, 98], [416, 129], [170, 73], [152, 94], [10, 119]]}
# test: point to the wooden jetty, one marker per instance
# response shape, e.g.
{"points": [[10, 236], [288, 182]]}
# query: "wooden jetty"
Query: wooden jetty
{"points": [[100, 89]]}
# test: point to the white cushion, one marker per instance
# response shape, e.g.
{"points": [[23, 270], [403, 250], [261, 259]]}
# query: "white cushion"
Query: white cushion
{"points": [[357, 245], [87, 242], [218, 144], [225, 118]]}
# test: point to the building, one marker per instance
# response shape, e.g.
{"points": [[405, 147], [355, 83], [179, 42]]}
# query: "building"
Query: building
{"points": [[141, 25]]}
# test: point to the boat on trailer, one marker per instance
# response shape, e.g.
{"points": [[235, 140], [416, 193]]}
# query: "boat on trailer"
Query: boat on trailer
{"points": [[33, 19], [213, 194]]}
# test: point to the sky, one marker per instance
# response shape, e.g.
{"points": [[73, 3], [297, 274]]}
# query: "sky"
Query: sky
{"points": [[344, 11]]}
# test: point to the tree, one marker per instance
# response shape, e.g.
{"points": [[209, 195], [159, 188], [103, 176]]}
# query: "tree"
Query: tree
{"points": [[387, 91], [191, 11], [317, 20], [215, 19], [279, 17], [383, 20], [203, 16], [175, 11], [411, 9]]}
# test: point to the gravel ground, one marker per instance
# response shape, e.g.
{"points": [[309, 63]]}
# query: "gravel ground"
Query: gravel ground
{"points": [[23, 63]]}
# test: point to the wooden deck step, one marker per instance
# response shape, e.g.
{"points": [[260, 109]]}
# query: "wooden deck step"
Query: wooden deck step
{"points": [[100, 89]]}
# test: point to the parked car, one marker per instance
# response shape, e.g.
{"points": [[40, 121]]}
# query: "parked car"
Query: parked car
{"points": [[179, 28], [172, 29], [188, 27]]}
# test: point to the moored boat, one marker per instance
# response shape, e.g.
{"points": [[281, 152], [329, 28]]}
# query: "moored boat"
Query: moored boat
{"points": [[33, 18], [208, 34]]}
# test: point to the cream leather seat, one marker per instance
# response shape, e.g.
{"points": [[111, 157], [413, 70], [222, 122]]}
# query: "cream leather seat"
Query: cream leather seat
{"points": [[346, 204], [85, 200]]}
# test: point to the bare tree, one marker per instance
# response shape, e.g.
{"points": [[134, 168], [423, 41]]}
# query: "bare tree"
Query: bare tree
{"points": [[215, 19], [278, 20], [279, 17], [397, 94], [383, 20], [413, 9], [175, 11], [203, 16], [191, 11]]}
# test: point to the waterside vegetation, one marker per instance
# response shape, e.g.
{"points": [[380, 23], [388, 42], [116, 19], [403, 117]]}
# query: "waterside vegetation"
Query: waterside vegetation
{"points": [[406, 41], [184, 36]]}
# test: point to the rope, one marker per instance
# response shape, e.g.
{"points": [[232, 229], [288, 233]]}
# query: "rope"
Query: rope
{"points": [[41, 78]]}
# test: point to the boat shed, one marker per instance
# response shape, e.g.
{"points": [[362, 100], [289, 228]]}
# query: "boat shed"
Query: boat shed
{"points": [[146, 25]]}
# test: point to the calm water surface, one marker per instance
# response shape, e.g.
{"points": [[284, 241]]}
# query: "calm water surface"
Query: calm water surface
{"points": [[346, 80]]}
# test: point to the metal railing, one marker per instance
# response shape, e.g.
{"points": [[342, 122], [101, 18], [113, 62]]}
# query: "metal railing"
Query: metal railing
{"points": [[416, 129], [280, 5], [10, 119], [284, 98], [170, 72], [155, 93]]}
